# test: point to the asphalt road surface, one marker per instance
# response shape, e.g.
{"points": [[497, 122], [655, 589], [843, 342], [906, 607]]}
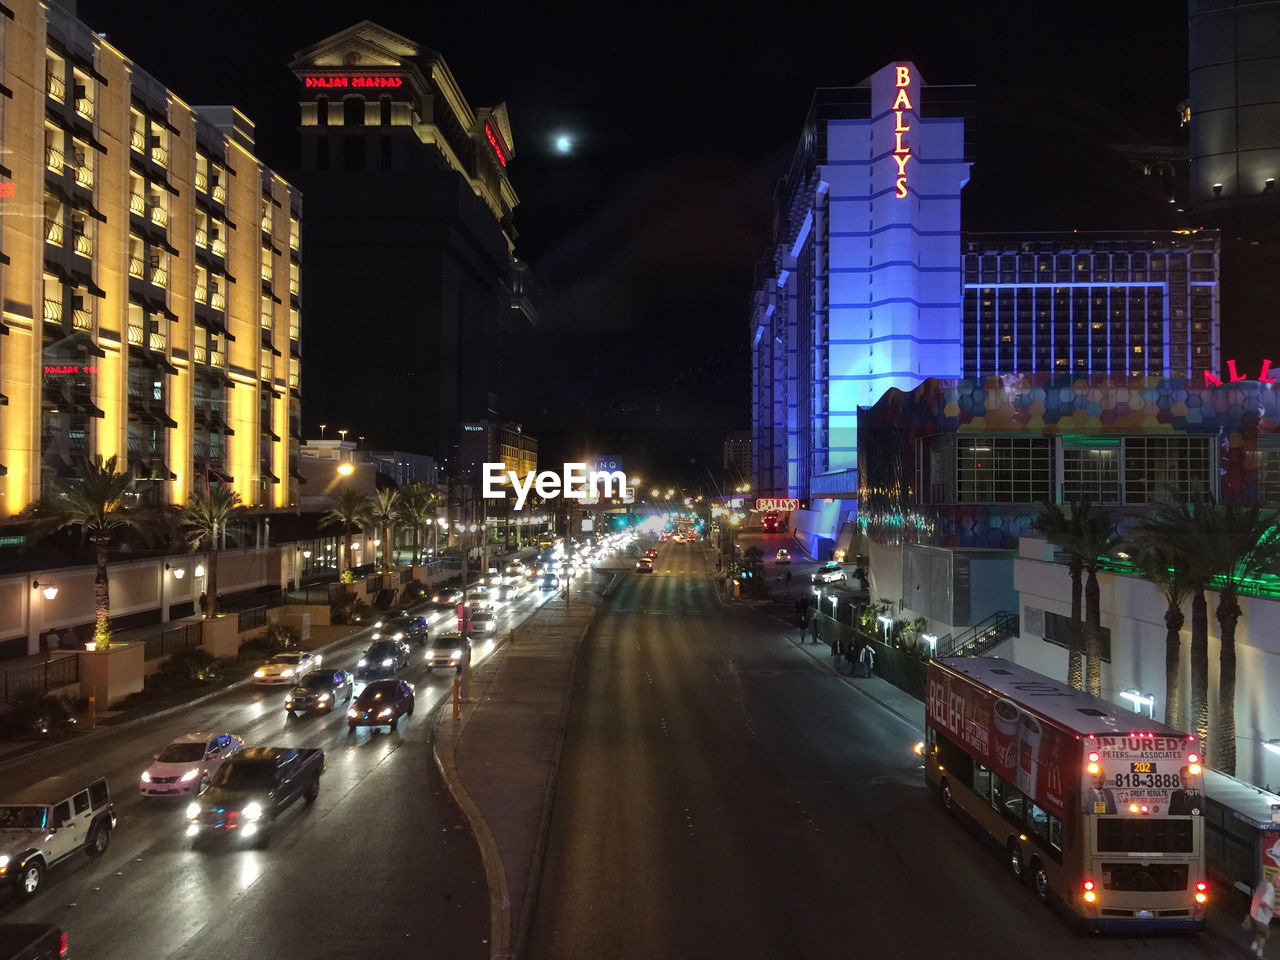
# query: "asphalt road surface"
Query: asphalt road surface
{"points": [[382, 865], [720, 795]]}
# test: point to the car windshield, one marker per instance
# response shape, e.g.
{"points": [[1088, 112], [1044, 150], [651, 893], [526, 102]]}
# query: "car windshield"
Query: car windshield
{"points": [[373, 692], [182, 753], [290, 659], [22, 818], [317, 682], [246, 775], [382, 650]]}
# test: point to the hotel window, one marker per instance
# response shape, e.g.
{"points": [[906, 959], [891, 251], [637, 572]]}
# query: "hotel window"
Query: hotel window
{"points": [[137, 131], [293, 233], [54, 157], [81, 234], [294, 283], [84, 90], [52, 299], [217, 180], [202, 173], [353, 111], [55, 77], [137, 195], [266, 265], [266, 215], [1091, 472], [53, 216], [84, 163], [202, 284], [1156, 467], [137, 256], [159, 268], [159, 145], [1003, 469], [217, 299], [295, 329], [1268, 473], [158, 207], [217, 238], [202, 230], [265, 315]]}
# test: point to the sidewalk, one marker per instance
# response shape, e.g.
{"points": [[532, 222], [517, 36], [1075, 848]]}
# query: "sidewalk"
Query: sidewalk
{"points": [[506, 749]]}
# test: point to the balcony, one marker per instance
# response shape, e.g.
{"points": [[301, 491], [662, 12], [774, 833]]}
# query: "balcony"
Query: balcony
{"points": [[293, 240], [202, 293], [266, 225], [137, 337], [202, 239], [202, 182], [137, 268], [84, 107], [81, 320], [217, 300], [159, 155], [53, 158], [138, 141], [53, 310], [294, 286], [219, 247], [219, 193], [53, 232], [159, 215], [84, 175], [55, 87], [199, 355], [217, 360], [266, 273], [83, 245], [137, 204], [159, 277], [156, 342]]}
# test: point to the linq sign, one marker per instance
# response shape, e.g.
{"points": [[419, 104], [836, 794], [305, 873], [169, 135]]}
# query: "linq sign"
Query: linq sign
{"points": [[1233, 376]]}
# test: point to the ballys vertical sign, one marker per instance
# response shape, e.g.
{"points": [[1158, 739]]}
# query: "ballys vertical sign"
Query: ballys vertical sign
{"points": [[901, 150]]}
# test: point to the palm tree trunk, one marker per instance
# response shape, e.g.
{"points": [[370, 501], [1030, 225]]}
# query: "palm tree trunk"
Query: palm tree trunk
{"points": [[1173, 621], [386, 548], [1224, 757], [211, 589], [101, 595], [1200, 669], [1075, 671], [417, 543], [346, 553], [1093, 633]]}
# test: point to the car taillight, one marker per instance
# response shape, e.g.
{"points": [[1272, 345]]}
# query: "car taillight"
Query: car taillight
{"points": [[1202, 892], [1089, 895], [62, 945]]}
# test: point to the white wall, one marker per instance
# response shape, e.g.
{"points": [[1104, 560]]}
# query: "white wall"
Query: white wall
{"points": [[1133, 610]]}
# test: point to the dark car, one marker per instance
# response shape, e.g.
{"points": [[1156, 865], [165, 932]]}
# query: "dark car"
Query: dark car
{"points": [[644, 565], [383, 658], [381, 704], [319, 692], [400, 624], [252, 788], [32, 941]]}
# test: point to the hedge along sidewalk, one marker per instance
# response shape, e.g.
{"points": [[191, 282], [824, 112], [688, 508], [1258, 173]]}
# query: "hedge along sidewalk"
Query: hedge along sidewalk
{"points": [[22, 750]]}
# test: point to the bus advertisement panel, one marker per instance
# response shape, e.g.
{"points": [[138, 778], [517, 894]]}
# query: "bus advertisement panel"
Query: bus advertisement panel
{"points": [[1038, 758], [1142, 773]]}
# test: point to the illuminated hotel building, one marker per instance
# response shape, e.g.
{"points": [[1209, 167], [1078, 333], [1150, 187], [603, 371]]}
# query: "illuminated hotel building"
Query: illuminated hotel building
{"points": [[410, 230], [862, 289], [1124, 304], [144, 316]]}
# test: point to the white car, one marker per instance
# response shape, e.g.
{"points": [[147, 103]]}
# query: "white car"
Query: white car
{"points": [[287, 667], [187, 763]]}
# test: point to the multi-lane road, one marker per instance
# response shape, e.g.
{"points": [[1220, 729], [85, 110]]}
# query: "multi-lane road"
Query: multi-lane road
{"points": [[382, 865]]}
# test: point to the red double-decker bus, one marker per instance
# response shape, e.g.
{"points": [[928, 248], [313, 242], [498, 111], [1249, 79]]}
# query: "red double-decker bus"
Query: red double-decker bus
{"points": [[1098, 809]]}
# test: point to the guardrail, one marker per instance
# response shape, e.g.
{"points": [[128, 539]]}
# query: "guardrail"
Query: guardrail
{"points": [[160, 645], [252, 618], [45, 677]]}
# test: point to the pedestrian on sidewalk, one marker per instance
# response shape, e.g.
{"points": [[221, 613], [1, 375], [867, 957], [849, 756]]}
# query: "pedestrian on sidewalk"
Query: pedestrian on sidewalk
{"points": [[204, 606], [1260, 911], [868, 660], [816, 626], [851, 654], [799, 613]]}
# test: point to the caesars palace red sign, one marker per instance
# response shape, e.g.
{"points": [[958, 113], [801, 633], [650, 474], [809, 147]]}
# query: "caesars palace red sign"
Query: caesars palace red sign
{"points": [[330, 83]]}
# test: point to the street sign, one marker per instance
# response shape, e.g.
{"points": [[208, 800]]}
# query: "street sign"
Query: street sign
{"points": [[778, 504]]}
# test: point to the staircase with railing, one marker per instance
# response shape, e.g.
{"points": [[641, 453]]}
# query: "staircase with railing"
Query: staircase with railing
{"points": [[981, 637]]}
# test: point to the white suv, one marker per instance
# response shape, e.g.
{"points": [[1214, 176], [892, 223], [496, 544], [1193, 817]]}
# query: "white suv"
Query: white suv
{"points": [[47, 823]]}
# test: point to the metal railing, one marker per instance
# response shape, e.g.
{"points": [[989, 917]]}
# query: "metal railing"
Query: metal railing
{"points": [[897, 666], [48, 676], [252, 618], [982, 636], [160, 645]]}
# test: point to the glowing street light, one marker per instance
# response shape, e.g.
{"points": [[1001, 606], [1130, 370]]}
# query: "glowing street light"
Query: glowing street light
{"points": [[346, 469]]}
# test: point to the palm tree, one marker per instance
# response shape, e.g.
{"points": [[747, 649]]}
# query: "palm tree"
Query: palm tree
{"points": [[417, 509], [1161, 566], [1058, 530], [1183, 530], [384, 514], [203, 519], [1097, 539], [350, 510], [97, 503], [1245, 543]]}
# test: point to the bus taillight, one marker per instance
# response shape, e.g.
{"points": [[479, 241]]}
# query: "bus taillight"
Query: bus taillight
{"points": [[1202, 892], [1193, 764], [1094, 757], [1089, 895]]}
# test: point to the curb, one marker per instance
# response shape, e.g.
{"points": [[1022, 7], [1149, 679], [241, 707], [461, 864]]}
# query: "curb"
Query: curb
{"points": [[821, 662], [101, 731]]}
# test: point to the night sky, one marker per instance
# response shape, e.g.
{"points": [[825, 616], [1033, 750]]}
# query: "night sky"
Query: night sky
{"points": [[683, 117]]}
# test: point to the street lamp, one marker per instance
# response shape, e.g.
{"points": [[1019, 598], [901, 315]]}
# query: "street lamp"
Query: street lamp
{"points": [[49, 590], [888, 622], [346, 469]]}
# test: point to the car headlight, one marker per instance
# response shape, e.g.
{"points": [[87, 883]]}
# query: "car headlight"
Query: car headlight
{"points": [[398, 636], [435, 599], [193, 810], [191, 775], [377, 635], [4, 861], [492, 626], [146, 776], [287, 672], [385, 713], [288, 704], [362, 662], [387, 662], [353, 713], [457, 654], [377, 623], [323, 697], [253, 810], [259, 672]]}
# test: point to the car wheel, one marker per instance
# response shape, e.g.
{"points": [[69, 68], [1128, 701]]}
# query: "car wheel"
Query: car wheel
{"points": [[312, 791], [30, 878], [98, 841], [1016, 865], [1039, 881]]}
